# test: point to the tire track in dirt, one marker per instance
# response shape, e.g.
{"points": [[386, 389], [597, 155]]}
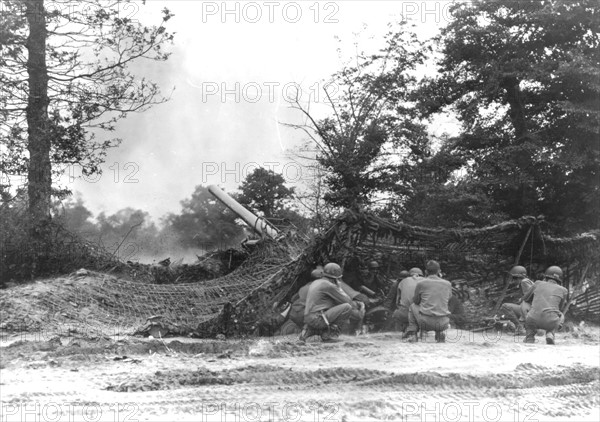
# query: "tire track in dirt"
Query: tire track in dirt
{"points": [[269, 375]]}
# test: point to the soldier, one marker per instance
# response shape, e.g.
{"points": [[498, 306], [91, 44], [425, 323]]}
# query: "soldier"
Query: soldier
{"points": [[390, 300], [457, 312], [357, 314], [429, 310], [404, 297], [374, 280], [327, 306], [299, 299], [515, 312], [389, 303], [547, 298]]}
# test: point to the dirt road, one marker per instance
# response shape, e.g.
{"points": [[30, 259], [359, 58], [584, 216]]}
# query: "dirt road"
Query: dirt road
{"points": [[376, 377]]}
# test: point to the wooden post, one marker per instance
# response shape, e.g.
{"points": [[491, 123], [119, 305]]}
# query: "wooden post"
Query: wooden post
{"points": [[517, 259]]}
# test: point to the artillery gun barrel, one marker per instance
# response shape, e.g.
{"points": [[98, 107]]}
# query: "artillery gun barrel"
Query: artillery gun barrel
{"points": [[260, 225]]}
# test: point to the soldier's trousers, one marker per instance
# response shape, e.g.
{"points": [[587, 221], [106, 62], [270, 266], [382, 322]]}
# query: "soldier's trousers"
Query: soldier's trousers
{"points": [[337, 315], [297, 313], [421, 322], [515, 312], [548, 319], [400, 318]]}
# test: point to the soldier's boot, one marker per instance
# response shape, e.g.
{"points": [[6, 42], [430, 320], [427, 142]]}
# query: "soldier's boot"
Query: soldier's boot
{"points": [[512, 317], [440, 336], [410, 336], [331, 334], [549, 337], [306, 333], [529, 335]]}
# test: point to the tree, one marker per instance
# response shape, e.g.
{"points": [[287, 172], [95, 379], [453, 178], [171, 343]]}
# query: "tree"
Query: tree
{"points": [[374, 129], [204, 222], [523, 78], [65, 78], [264, 192]]}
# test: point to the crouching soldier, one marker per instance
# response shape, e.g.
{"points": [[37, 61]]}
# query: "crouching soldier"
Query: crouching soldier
{"points": [[429, 310], [515, 312], [390, 302], [547, 298], [357, 314], [404, 297], [457, 312], [299, 299], [327, 306]]}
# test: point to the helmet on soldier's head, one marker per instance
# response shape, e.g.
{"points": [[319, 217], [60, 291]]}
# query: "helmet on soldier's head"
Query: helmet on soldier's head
{"points": [[518, 271], [403, 274], [332, 270], [317, 273], [415, 271], [373, 264], [554, 272]]}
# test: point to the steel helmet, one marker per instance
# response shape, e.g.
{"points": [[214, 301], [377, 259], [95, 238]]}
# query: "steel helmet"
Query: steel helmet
{"points": [[373, 264], [554, 273], [415, 271], [403, 274], [332, 270], [518, 271], [316, 273]]}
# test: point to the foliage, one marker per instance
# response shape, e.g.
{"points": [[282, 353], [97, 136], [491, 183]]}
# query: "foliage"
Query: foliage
{"points": [[264, 192], [374, 127], [66, 78], [523, 80]]}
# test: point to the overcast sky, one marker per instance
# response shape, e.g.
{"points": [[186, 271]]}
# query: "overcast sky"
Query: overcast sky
{"points": [[234, 67]]}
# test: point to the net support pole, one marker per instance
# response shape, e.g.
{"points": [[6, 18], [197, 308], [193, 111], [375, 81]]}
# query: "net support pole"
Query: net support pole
{"points": [[517, 259]]}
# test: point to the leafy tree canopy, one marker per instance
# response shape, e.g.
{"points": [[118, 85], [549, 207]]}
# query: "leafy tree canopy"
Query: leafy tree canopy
{"points": [[523, 78]]}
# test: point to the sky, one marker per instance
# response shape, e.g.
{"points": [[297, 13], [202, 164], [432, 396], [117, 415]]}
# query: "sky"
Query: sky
{"points": [[233, 70]]}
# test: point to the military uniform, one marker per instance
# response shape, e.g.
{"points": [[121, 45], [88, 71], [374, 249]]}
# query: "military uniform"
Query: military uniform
{"points": [[404, 298], [516, 312], [299, 304], [326, 299], [429, 310], [546, 298]]}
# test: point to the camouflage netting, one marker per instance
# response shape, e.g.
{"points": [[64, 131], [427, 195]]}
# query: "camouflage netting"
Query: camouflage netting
{"points": [[476, 260], [234, 304]]}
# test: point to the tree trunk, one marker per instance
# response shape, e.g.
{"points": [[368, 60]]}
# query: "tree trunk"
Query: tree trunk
{"points": [[516, 111], [526, 193], [40, 171]]}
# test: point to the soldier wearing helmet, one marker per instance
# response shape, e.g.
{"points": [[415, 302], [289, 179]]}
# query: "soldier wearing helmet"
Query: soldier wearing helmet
{"points": [[390, 300], [374, 280], [429, 310], [547, 298], [516, 312], [327, 306], [405, 293], [299, 299]]}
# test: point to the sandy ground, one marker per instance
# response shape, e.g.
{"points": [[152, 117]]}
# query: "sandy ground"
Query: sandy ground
{"points": [[375, 377]]}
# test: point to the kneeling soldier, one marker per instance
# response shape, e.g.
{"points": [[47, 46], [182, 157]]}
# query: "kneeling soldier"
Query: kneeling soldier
{"points": [[547, 298], [429, 310], [327, 306]]}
